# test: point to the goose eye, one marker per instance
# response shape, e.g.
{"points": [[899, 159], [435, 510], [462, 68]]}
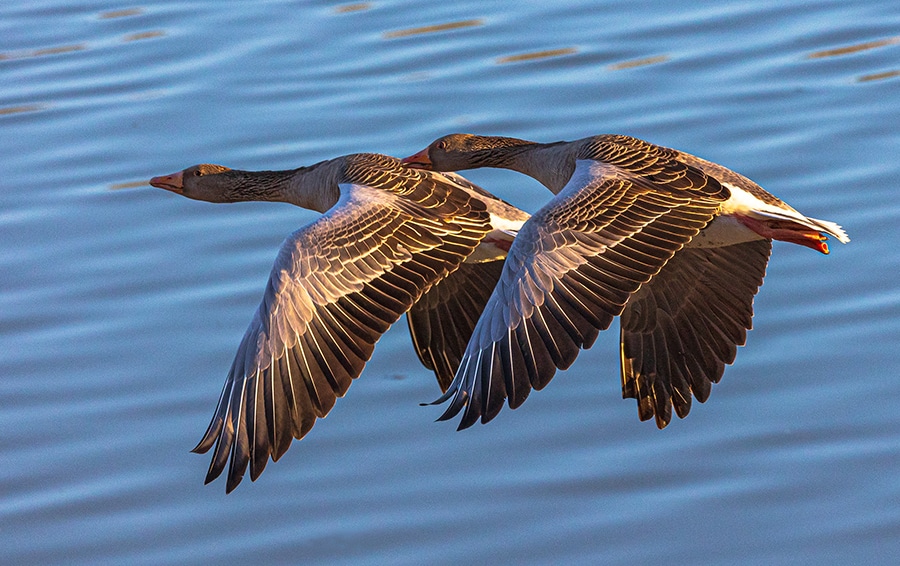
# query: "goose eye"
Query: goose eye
{"points": [[197, 173], [442, 145]]}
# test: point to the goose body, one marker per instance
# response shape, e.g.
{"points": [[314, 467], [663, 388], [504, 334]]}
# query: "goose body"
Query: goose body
{"points": [[390, 239], [675, 244]]}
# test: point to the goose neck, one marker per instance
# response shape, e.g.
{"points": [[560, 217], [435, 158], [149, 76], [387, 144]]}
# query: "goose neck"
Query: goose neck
{"points": [[551, 164]]}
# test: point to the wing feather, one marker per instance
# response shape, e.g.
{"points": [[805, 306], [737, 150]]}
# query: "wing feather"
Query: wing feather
{"points": [[337, 285], [571, 270], [680, 330], [441, 322]]}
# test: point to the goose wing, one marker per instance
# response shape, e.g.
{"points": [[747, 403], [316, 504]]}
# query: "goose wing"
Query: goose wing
{"points": [[680, 330], [442, 321], [336, 287], [573, 267]]}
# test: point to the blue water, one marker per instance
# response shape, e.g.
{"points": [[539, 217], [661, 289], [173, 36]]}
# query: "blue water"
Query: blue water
{"points": [[121, 305]]}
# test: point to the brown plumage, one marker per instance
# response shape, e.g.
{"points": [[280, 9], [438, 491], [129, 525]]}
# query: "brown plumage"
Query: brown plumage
{"points": [[389, 235], [675, 244]]}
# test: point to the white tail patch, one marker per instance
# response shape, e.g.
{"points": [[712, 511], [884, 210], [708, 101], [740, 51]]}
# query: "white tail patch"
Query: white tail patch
{"points": [[744, 202], [832, 229], [825, 226]]}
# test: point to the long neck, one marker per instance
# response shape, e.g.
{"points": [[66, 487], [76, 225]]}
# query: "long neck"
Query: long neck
{"points": [[550, 163], [314, 187]]}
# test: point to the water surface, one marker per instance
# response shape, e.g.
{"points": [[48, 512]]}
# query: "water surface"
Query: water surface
{"points": [[122, 305]]}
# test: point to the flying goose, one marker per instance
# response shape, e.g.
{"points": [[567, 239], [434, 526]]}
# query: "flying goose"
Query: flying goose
{"points": [[389, 236], [675, 244]]}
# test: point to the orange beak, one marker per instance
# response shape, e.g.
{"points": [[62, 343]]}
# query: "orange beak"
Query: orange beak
{"points": [[173, 182], [418, 160]]}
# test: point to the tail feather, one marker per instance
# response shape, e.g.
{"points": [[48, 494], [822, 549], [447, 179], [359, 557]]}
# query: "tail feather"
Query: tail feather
{"points": [[831, 228]]}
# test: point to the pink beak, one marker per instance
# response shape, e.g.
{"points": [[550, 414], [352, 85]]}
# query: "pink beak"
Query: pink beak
{"points": [[418, 160], [171, 182]]}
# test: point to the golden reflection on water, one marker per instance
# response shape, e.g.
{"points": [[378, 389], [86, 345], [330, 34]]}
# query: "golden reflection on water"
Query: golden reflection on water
{"points": [[143, 35], [121, 13], [536, 55], [432, 29], [638, 63], [20, 109], [45, 51], [878, 76], [854, 48], [61, 49], [358, 7]]}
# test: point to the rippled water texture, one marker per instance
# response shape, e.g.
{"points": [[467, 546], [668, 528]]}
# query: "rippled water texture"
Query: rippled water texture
{"points": [[122, 305]]}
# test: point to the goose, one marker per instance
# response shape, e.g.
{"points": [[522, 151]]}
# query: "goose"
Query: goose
{"points": [[390, 239], [675, 244]]}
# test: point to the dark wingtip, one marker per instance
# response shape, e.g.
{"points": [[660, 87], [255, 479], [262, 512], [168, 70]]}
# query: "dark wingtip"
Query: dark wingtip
{"points": [[443, 398], [467, 421], [447, 415], [233, 482], [459, 401], [211, 475], [470, 416], [200, 448]]}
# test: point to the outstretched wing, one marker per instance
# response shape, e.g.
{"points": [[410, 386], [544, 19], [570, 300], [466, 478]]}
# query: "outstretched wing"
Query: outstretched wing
{"points": [[571, 270], [680, 330], [442, 321], [336, 287]]}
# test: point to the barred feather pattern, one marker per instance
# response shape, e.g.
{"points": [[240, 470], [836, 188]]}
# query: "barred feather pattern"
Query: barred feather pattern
{"points": [[442, 321], [680, 330], [337, 285], [681, 323], [573, 268]]}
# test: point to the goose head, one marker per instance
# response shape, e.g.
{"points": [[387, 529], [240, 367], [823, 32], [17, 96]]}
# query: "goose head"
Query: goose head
{"points": [[457, 152], [205, 182]]}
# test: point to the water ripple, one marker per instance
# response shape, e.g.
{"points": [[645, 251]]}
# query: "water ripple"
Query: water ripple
{"points": [[866, 46], [546, 54], [20, 109], [432, 28], [122, 309], [126, 13], [879, 76], [348, 8], [643, 62]]}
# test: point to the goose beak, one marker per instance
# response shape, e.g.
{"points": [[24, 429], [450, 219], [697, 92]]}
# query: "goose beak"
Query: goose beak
{"points": [[173, 182], [418, 160]]}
